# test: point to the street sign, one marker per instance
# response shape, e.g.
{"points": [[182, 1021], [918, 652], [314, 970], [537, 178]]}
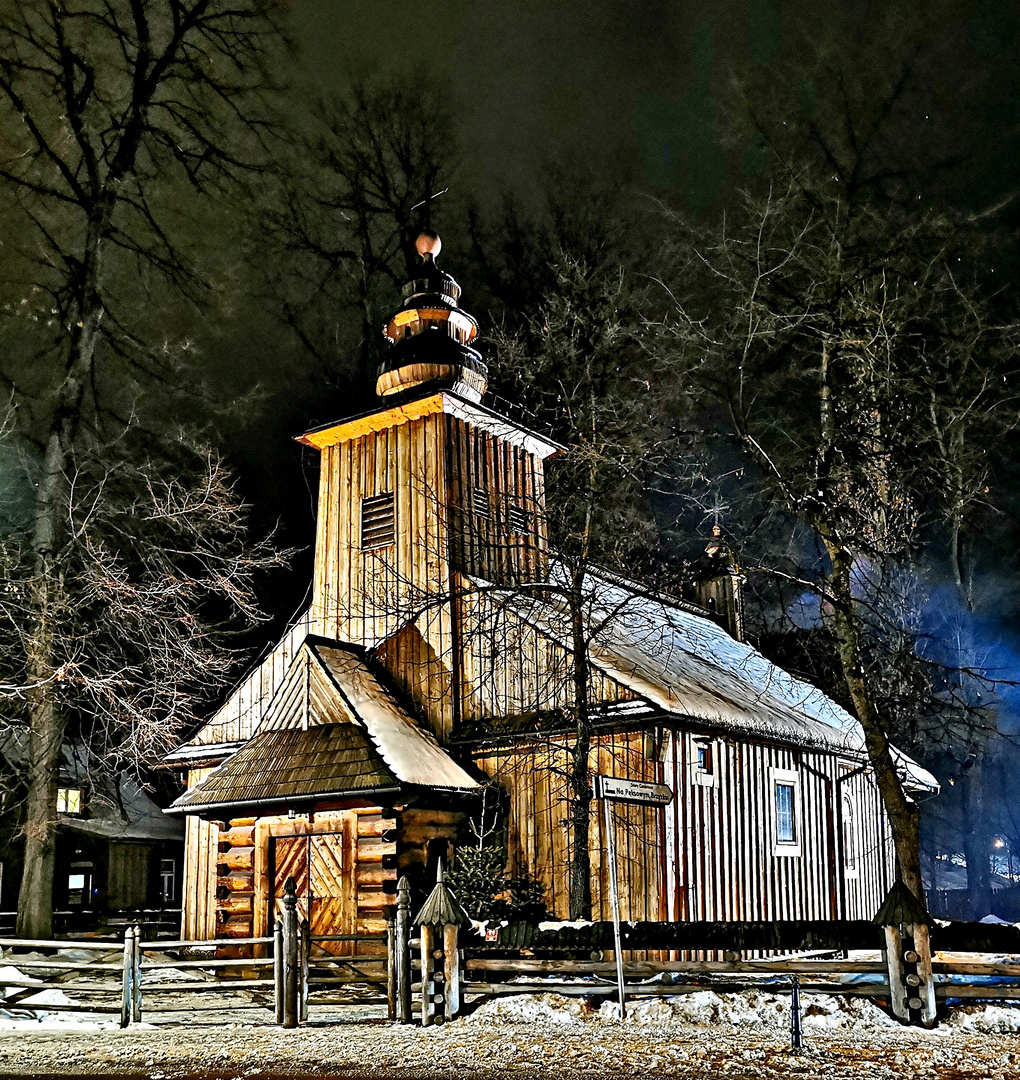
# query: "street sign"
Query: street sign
{"points": [[633, 791]]}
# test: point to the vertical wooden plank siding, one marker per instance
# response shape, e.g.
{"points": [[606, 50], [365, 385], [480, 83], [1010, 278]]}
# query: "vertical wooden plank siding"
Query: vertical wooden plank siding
{"points": [[540, 840], [201, 841], [713, 853], [723, 858]]}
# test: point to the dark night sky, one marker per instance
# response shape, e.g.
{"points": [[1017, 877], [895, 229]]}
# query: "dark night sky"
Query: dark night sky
{"points": [[530, 79], [600, 79]]}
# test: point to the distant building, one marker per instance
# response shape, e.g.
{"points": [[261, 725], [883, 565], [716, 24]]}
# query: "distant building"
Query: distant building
{"points": [[432, 661], [116, 850]]}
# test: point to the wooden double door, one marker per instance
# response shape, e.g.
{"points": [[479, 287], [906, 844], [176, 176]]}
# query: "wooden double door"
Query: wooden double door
{"points": [[324, 868]]}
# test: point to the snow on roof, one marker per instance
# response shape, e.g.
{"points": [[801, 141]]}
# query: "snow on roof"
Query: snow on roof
{"points": [[116, 808], [412, 754], [690, 666]]}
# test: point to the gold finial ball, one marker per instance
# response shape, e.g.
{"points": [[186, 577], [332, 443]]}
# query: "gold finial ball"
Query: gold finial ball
{"points": [[428, 243]]}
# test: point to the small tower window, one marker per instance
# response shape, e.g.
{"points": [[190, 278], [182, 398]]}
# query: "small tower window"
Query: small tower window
{"points": [[378, 521], [518, 518], [480, 503]]}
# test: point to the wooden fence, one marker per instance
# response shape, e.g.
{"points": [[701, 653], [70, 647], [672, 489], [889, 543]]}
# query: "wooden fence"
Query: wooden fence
{"points": [[286, 970], [441, 968]]}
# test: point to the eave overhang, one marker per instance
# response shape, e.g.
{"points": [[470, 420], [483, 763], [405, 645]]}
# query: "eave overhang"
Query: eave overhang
{"points": [[443, 402]]}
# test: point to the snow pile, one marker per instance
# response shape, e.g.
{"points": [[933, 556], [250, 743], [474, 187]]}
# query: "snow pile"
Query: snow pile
{"points": [[44, 997], [703, 1008], [751, 1008], [991, 1019], [531, 1008]]}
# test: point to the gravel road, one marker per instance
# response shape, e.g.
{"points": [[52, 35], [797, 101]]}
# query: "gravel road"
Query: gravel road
{"points": [[493, 1050]]}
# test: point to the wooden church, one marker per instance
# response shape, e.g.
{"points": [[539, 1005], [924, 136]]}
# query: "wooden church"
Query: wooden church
{"points": [[426, 675]]}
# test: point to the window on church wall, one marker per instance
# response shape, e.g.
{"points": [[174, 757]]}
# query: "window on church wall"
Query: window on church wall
{"points": [[849, 846], [786, 814], [378, 521]]}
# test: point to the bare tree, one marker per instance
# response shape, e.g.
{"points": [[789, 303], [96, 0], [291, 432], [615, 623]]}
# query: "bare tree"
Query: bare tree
{"points": [[844, 347], [112, 113], [583, 366], [345, 213]]}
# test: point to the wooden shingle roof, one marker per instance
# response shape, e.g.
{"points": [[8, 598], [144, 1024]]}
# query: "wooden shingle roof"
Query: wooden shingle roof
{"points": [[332, 729], [291, 767]]}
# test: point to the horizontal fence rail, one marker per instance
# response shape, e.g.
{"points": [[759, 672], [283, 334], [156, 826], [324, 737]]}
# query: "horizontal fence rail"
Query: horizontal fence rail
{"points": [[970, 962]]}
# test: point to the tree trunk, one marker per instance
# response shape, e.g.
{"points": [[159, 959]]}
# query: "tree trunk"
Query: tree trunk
{"points": [[977, 847], [35, 899], [902, 812], [580, 782], [46, 722]]}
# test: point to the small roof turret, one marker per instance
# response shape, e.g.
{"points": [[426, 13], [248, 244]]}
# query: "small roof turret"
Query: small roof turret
{"points": [[430, 336]]}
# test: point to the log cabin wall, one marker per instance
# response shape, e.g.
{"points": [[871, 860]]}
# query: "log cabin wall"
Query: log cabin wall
{"points": [[234, 876]]}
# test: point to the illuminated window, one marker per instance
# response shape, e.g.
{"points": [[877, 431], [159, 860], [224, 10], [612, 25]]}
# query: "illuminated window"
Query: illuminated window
{"points": [[69, 800], [378, 521], [786, 821]]}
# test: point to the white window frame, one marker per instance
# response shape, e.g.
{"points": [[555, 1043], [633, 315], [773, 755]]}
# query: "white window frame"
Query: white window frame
{"points": [[785, 849], [852, 869], [68, 795], [704, 777]]}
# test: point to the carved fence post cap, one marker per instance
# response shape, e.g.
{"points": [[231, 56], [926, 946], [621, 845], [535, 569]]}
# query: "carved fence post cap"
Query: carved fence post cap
{"points": [[901, 908], [441, 908]]}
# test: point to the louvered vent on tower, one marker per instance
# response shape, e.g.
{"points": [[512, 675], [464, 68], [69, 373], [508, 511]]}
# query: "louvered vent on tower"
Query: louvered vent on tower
{"points": [[378, 521]]}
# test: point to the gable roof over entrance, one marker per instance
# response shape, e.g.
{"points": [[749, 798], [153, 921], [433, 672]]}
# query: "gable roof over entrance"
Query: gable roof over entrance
{"points": [[281, 769], [331, 730]]}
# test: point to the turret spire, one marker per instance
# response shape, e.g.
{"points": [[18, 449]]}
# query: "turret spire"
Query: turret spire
{"points": [[430, 335]]}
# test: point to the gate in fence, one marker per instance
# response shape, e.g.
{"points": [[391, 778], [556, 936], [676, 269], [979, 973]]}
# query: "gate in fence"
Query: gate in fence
{"points": [[130, 979]]}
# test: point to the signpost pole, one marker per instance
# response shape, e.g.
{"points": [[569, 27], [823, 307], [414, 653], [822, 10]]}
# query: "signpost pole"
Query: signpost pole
{"points": [[615, 894], [611, 789]]}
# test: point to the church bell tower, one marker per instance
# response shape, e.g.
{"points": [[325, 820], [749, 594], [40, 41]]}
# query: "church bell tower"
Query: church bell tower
{"points": [[425, 502]]}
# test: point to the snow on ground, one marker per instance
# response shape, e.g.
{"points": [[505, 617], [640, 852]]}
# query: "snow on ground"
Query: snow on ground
{"points": [[704, 1008], [749, 1009]]}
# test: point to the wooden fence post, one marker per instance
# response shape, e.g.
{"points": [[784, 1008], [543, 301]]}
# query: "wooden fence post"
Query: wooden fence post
{"points": [[306, 958], [290, 954], [391, 968], [451, 970], [402, 948], [904, 921], [796, 1031], [278, 970], [136, 977], [127, 975], [438, 922], [427, 1012]]}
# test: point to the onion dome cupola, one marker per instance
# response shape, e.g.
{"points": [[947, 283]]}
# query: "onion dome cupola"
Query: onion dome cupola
{"points": [[430, 337]]}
